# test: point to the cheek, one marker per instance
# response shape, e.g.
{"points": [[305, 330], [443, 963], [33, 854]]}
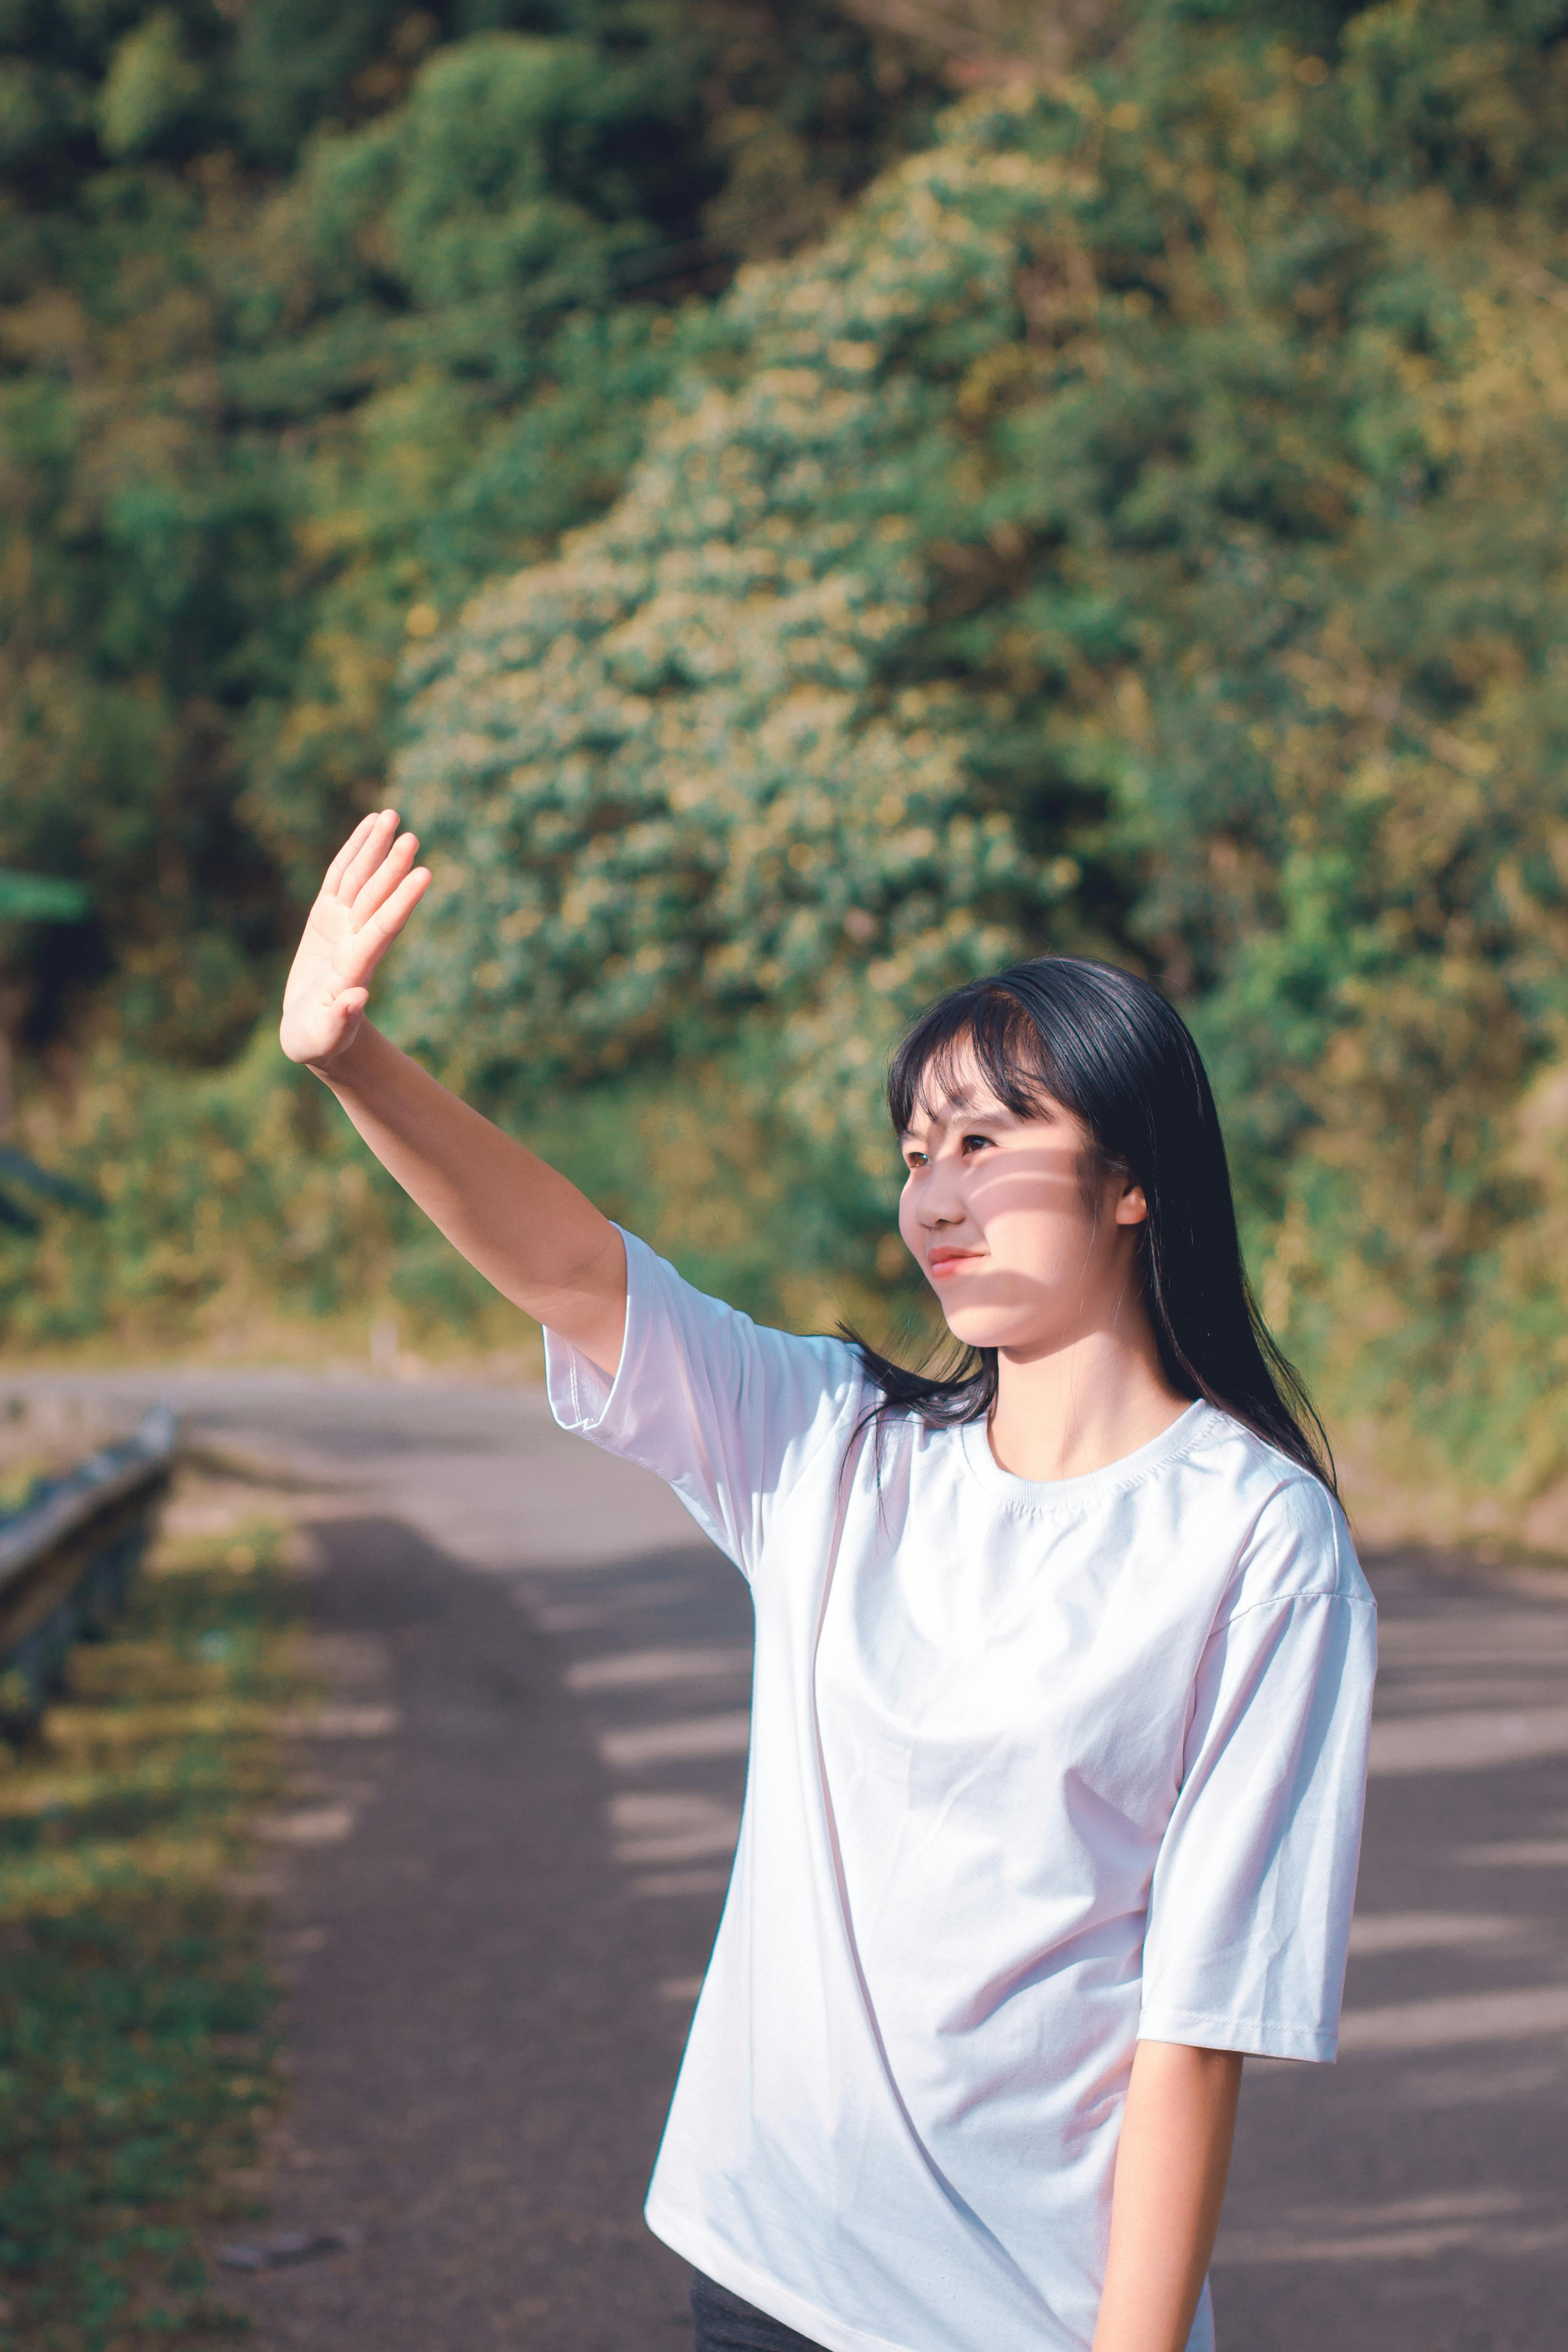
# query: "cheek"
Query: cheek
{"points": [[1035, 1224], [908, 1227]]}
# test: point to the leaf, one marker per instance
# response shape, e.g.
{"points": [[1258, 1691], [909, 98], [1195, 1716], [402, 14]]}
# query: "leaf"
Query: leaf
{"points": [[12, 1214], [36, 898], [16, 1165]]}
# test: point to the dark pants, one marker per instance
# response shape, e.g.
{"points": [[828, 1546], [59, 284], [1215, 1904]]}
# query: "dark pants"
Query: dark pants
{"points": [[724, 2323]]}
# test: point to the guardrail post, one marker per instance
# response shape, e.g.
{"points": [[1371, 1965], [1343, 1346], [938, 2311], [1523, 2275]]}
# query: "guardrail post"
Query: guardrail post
{"points": [[68, 1563]]}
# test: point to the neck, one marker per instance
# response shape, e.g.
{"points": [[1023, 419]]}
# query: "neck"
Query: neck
{"points": [[1065, 1411]]}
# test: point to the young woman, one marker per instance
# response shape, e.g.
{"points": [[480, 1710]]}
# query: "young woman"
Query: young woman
{"points": [[1063, 1672]]}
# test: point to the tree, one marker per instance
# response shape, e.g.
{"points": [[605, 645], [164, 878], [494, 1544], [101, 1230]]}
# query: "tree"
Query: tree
{"points": [[309, 320], [1137, 524]]}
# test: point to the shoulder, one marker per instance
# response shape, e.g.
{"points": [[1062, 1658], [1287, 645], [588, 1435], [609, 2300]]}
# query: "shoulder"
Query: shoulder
{"points": [[664, 1308], [1293, 1540]]}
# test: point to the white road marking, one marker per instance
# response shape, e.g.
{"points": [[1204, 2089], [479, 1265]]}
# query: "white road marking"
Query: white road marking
{"points": [[647, 1669], [1517, 1638], [565, 1617], [687, 1736], [1411, 2229], [337, 1723], [1443, 2023], [1529, 1853], [1393, 2245], [1466, 1742], [1426, 1931], [313, 1825], [682, 1882], [579, 1615], [672, 1826], [680, 1989]]}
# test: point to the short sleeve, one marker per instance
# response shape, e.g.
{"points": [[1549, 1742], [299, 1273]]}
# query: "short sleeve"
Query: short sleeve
{"points": [[1250, 1907], [725, 1410]]}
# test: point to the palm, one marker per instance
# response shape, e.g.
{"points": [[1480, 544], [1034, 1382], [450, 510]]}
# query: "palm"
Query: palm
{"points": [[371, 889]]}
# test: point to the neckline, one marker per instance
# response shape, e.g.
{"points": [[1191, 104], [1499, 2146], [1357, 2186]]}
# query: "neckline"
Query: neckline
{"points": [[1061, 1494]]}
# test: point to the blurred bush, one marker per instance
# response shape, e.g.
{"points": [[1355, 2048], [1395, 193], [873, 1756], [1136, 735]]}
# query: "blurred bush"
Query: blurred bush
{"points": [[309, 320], [1132, 523], [1138, 526]]}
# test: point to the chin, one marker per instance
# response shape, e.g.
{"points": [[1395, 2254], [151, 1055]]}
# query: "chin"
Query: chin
{"points": [[977, 1329]]}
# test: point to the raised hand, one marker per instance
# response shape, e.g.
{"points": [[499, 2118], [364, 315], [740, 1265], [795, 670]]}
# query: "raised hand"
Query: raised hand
{"points": [[373, 886]]}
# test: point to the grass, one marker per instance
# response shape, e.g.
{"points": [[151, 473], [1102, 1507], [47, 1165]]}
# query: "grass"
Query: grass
{"points": [[137, 2063]]}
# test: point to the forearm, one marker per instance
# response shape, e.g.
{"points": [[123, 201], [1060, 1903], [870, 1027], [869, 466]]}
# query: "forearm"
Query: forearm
{"points": [[527, 1229], [1174, 2153]]}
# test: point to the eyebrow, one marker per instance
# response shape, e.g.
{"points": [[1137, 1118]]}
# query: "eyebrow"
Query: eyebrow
{"points": [[952, 1112]]}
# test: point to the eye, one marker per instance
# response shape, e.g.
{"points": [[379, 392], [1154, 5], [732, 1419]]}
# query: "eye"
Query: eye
{"points": [[978, 1143], [913, 1159]]}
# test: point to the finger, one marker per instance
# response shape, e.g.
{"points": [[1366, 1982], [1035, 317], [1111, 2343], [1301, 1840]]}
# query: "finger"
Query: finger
{"points": [[369, 855], [385, 879], [383, 927], [340, 865], [357, 956]]}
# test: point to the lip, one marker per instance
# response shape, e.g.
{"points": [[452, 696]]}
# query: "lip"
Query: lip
{"points": [[945, 1262]]}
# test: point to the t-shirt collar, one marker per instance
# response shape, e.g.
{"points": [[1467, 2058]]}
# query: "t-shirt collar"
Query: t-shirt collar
{"points": [[1069, 1494]]}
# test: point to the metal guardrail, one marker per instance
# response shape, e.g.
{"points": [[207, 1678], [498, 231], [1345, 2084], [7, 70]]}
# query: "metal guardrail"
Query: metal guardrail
{"points": [[67, 1560]]}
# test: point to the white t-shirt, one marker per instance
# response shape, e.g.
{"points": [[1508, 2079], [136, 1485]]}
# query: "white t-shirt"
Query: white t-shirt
{"points": [[1035, 1770]]}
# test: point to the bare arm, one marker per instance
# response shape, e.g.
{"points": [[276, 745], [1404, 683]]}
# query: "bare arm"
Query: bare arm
{"points": [[1171, 2167], [518, 1221]]}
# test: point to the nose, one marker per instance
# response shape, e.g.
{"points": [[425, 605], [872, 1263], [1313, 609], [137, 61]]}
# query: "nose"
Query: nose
{"points": [[941, 1202]]}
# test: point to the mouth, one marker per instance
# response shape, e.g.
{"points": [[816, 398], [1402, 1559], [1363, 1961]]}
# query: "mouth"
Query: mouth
{"points": [[943, 1263]]}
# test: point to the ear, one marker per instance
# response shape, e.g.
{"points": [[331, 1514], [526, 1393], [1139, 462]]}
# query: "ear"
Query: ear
{"points": [[1131, 1205]]}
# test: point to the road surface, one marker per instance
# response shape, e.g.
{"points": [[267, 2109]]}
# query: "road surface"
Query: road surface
{"points": [[506, 1878]]}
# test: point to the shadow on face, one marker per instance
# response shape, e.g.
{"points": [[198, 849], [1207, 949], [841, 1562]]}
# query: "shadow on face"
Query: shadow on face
{"points": [[1027, 1240]]}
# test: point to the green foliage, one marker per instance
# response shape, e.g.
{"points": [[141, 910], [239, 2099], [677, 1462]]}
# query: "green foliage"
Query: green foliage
{"points": [[1138, 523], [238, 1208], [135, 2047], [310, 320], [152, 88], [1133, 523], [696, 767], [33, 897]]}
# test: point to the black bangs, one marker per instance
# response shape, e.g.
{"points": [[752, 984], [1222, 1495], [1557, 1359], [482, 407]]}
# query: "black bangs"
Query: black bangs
{"points": [[983, 1025]]}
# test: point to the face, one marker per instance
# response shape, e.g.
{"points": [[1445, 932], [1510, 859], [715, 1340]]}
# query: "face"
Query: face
{"points": [[1024, 1255]]}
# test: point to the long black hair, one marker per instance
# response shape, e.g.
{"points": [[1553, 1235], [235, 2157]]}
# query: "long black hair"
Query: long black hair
{"points": [[1108, 1048]]}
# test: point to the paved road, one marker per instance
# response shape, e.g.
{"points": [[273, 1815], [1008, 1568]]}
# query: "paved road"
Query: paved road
{"points": [[502, 1907]]}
